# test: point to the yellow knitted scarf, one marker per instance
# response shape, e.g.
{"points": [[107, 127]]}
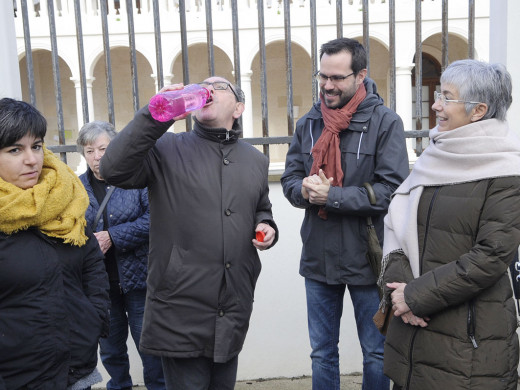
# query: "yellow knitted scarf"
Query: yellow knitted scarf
{"points": [[56, 205]]}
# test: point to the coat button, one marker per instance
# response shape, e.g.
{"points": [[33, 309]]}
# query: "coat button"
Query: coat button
{"points": [[336, 204], [221, 313], [226, 161], [228, 212], [228, 265]]}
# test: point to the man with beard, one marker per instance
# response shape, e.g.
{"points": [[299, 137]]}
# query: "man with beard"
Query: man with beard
{"points": [[347, 138]]}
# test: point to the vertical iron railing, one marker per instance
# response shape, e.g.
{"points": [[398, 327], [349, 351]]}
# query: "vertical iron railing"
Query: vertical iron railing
{"points": [[288, 66], [108, 62], [263, 73], [391, 49], [266, 140], [418, 74], [56, 74], [133, 56], [28, 52], [81, 61]]}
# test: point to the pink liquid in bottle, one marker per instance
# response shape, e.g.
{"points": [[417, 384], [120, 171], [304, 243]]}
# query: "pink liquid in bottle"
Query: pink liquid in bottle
{"points": [[167, 105]]}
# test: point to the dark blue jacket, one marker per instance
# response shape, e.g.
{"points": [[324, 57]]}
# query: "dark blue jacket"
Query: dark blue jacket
{"points": [[373, 150], [128, 226]]}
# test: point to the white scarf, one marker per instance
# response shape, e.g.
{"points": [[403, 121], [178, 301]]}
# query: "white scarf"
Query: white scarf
{"points": [[480, 150]]}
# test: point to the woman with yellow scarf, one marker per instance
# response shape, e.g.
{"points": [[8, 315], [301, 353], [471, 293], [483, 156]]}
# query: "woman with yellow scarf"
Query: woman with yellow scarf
{"points": [[53, 285]]}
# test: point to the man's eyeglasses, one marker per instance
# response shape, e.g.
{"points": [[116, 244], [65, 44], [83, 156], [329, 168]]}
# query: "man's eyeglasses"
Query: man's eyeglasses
{"points": [[444, 101], [220, 86], [335, 79]]}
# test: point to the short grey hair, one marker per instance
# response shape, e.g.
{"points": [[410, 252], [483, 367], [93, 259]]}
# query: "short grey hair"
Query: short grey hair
{"points": [[479, 81], [241, 95], [91, 131]]}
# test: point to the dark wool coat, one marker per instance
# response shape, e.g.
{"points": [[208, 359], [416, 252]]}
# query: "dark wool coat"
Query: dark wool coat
{"points": [[373, 150], [53, 309], [128, 225], [207, 195], [468, 234]]}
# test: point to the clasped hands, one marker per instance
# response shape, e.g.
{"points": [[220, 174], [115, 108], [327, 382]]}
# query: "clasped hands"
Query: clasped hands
{"points": [[316, 188], [401, 309]]}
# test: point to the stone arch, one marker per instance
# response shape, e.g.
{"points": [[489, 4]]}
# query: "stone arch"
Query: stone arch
{"points": [[121, 84]]}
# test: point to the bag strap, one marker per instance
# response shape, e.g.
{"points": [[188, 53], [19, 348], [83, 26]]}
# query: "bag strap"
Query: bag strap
{"points": [[370, 192], [102, 206]]}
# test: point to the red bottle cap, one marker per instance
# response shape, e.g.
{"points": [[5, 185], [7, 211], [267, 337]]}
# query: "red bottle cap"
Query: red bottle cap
{"points": [[260, 236]]}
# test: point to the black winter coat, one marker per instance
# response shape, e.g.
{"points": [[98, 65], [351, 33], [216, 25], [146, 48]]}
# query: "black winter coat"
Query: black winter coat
{"points": [[373, 150], [207, 195], [128, 226], [53, 309], [468, 234]]}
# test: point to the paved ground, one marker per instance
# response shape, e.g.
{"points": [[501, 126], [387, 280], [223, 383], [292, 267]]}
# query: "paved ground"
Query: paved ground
{"points": [[348, 382]]}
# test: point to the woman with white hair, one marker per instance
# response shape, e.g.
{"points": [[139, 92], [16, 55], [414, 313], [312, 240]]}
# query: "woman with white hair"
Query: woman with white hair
{"points": [[452, 230], [120, 220]]}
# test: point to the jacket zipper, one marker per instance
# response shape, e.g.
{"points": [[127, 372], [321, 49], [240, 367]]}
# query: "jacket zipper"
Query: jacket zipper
{"points": [[430, 208], [410, 350], [471, 323]]}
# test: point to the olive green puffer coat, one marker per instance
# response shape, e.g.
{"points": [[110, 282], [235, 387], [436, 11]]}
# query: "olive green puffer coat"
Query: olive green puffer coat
{"points": [[468, 234]]}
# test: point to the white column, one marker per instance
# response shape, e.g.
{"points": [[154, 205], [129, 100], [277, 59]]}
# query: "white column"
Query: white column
{"points": [[247, 115], [503, 25], [90, 100], [403, 106], [9, 69], [167, 80]]}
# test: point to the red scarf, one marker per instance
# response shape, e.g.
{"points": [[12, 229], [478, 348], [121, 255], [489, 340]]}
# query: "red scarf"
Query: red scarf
{"points": [[326, 152]]}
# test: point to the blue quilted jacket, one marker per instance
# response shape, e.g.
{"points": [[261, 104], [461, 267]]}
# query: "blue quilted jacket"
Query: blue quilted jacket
{"points": [[128, 226]]}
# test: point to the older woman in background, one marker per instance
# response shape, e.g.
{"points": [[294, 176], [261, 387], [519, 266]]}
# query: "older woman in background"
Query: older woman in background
{"points": [[122, 232], [53, 285], [451, 232]]}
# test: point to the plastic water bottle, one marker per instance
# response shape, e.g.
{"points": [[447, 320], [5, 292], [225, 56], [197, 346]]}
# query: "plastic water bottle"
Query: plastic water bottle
{"points": [[167, 105]]}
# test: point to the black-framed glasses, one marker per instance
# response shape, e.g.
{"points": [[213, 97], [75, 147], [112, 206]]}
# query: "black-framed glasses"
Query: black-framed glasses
{"points": [[220, 86], [334, 79], [444, 101]]}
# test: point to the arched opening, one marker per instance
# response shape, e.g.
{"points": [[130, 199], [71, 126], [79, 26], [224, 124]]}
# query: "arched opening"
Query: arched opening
{"points": [[431, 73]]}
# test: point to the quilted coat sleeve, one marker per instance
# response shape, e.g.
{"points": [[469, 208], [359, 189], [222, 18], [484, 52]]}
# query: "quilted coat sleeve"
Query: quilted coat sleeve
{"points": [[496, 241], [133, 233]]}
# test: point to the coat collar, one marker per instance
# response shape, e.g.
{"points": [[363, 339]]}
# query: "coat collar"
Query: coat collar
{"points": [[220, 135]]}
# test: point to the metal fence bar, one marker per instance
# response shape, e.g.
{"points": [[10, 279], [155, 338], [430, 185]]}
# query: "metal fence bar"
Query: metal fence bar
{"points": [[108, 62], [366, 36], [28, 52], [444, 39], [471, 29], [263, 73], [339, 18], [314, 50], [158, 44], [418, 74], [236, 49], [209, 35], [184, 46], [133, 56], [288, 66], [391, 49], [56, 73], [81, 61]]}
